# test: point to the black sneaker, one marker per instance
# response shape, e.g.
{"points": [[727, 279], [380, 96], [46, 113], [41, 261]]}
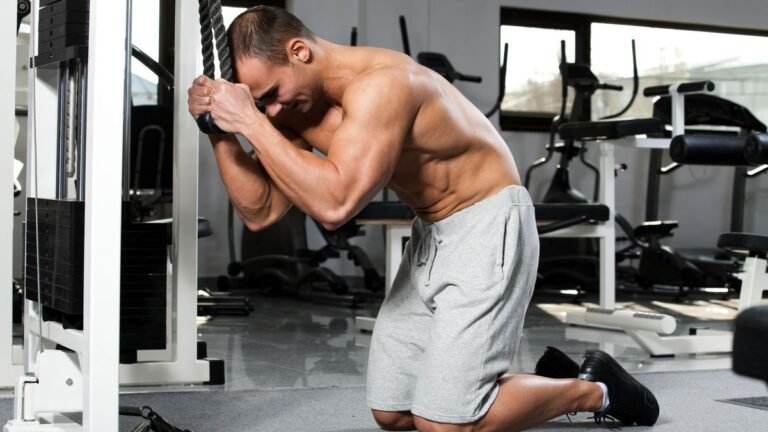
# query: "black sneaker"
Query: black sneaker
{"points": [[556, 364], [628, 400]]}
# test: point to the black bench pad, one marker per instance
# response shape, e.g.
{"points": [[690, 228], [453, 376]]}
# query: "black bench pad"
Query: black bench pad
{"points": [[743, 242], [592, 212], [551, 217], [610, 129], [549, 212], [386, 210], [657, 229]]}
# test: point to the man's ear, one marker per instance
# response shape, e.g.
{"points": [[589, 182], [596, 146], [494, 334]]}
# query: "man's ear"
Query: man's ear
{"points": [[298, 50]]}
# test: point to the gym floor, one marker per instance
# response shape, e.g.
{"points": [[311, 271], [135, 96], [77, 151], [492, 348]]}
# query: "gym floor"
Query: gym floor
{"points": [[300, 366], [290, 343]]}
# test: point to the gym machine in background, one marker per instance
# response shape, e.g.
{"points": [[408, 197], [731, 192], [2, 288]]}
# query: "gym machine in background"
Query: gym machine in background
{"points": [[653, 332], [647, 329], [690, 270], [574, 263], [75, 250]]}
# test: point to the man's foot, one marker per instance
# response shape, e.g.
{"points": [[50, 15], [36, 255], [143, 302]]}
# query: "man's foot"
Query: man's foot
{"points": [[628, 400], [556, 364]]}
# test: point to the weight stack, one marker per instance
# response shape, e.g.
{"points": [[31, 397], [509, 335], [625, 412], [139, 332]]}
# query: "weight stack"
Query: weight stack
{"points": [[62, 31], [143, 272]]}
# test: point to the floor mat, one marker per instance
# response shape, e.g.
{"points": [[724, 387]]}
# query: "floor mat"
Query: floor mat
{"points": [[750, 402]]}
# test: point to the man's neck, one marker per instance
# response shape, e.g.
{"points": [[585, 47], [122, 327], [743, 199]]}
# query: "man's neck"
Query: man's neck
{"points": [[338, 66]]}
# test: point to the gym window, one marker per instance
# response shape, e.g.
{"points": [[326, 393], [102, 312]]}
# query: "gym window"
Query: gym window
{"points": [[735, 59]]}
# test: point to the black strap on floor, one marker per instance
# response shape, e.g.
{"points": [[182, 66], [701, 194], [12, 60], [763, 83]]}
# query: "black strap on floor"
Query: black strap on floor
{"points": [[153, 421], [212, 24]]}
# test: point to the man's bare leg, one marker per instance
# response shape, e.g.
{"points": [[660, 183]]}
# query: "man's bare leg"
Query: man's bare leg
{"points": [[523, 401], [394, 420]]}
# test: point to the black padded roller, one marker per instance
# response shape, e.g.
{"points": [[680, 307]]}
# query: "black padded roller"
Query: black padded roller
{"points": [[750, 353], [756, 149], [683, 88], [725, 150]]}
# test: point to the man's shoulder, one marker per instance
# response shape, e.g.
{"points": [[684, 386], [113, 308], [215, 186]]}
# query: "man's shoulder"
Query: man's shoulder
{"points": [[386, 81], [389, 74]]}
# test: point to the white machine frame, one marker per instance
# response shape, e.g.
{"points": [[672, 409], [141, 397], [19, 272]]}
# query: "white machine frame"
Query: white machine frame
{"points": [[88, 379], [398, 229], [650, 330], [11, 356], [646, 329]]}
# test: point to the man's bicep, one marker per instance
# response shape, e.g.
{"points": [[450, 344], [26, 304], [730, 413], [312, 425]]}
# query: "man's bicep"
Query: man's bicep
{"points": [[367, 145]]}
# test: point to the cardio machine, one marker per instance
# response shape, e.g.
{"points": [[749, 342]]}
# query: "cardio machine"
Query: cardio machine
{"points": [[573, 262]]}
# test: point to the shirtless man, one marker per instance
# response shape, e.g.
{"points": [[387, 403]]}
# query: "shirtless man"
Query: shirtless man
{"points": [[447, 333]]}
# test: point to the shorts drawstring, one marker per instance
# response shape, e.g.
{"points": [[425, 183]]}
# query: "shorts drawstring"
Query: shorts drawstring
{"points": [[426, 251]]}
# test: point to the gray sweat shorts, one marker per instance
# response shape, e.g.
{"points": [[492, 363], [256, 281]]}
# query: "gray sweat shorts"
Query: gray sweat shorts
{"points": [[453, 320]]}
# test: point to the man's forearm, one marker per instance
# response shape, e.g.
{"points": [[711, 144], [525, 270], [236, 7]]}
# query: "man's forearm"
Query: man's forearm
{"points": [[253, 195], [311, 182]]}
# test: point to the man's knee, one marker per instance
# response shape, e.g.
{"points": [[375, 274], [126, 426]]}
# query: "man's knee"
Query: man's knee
{"points": [[424, 425], [394, 420]]}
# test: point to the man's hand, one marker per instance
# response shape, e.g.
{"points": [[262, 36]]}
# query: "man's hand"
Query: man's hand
{"points": [[199, 96], [231, 105], [233, 108]]}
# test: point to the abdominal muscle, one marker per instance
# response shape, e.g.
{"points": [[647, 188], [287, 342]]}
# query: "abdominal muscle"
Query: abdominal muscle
{"points": [[453, 158], [435, 189]]}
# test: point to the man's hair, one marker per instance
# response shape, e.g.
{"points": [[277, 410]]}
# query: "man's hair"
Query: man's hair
{"points": [[262, 32]]}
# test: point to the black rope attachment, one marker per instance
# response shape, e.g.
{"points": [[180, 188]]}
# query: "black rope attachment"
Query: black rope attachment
{"points": [[212, 23]]}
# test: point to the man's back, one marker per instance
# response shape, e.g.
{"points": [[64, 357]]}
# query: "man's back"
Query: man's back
{"points": [[451, 156]]}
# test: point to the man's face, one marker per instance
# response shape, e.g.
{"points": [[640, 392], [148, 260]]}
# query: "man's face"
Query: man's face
{"points": [[277, 87]]}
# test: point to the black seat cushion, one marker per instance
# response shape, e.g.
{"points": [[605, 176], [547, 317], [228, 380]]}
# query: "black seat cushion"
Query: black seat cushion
{"points": [[707, 109], [592, 212], [555, 217], [386, 210], [610, 129], [549, 212], [743, 242], [655, 229]]}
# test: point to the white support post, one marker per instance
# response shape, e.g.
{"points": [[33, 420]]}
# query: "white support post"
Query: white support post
{"points": [[395, 234], [608, 239], [103, 196], [396, 231], [754, 280], [678, 110], [185, 184], [9, 372]]}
